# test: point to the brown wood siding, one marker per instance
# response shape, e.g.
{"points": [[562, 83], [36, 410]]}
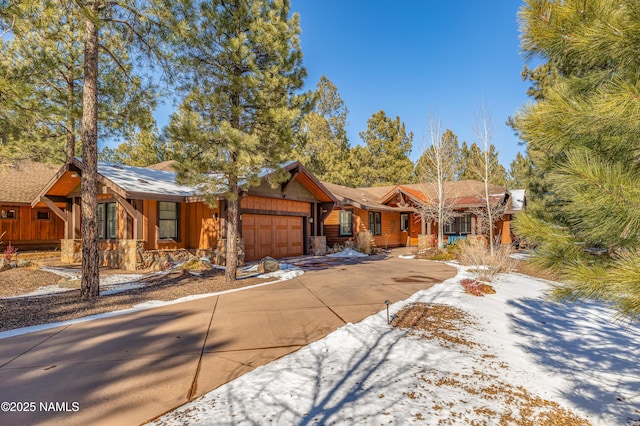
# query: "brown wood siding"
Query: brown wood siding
{"points": [[270, 235], [391, 235], [202, 229], [274, 205], [28, 232]]}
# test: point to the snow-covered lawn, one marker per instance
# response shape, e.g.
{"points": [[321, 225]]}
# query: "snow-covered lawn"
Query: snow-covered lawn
{"points": [[520, 356]]}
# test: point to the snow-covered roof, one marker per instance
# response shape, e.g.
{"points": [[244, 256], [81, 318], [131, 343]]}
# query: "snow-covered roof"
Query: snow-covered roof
{"points": [[143, 180]]}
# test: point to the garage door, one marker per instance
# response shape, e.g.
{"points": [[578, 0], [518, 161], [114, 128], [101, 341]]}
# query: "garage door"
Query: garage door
{"points": [[275, 236]]}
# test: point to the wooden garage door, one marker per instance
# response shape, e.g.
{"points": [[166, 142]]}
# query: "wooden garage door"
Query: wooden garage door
{"points": [[275, 236]]}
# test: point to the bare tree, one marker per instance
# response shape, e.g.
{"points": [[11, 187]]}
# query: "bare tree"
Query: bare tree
{"points": [[484, 132], [435, 167]]}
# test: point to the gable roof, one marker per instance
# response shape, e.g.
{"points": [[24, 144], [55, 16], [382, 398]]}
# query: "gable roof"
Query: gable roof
{"points": [[356, 197], [21, 182], [151, 183], [466, 193]]}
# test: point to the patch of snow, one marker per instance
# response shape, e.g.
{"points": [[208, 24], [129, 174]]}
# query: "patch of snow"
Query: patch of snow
{"points": [[521, 255], [372, 373], [407, 256], [347, 253]]}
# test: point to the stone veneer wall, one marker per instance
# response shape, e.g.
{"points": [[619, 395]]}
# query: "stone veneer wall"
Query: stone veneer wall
{"points": [[220, 253], [318, 246], [131, 255], [71, 251]]}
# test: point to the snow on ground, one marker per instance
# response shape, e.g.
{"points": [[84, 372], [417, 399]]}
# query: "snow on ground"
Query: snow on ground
{"points": [[575, 355], [109, 284], [347, 253]]}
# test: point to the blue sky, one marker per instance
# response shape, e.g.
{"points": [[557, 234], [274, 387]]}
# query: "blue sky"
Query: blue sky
{"points": [[416, 59]]}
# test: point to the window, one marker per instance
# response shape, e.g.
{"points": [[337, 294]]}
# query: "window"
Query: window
{"points": [[168, 220], [346, 222], [108, 221], [43, 215], [465, 224], [404, 221], [8, 214], [375, 223], [450, 228], [460, 225]]}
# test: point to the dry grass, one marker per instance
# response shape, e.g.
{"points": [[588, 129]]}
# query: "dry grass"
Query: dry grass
{"points": [[27, 311], [483, 264], [364, 242], [452, 328]]}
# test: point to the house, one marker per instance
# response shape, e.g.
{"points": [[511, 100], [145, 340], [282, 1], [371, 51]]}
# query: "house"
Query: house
{"points": [[27, 228], [393, 214], [358, 210], [144, 215]]}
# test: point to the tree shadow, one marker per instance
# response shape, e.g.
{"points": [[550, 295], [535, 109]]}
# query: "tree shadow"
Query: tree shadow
{"points": [[127, 367], [583, 343]]}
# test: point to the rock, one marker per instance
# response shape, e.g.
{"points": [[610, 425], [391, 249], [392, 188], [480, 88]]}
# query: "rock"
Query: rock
{"points": [[268, 264], [73, 282], [23, 263], [195, 264], [4, 264]]}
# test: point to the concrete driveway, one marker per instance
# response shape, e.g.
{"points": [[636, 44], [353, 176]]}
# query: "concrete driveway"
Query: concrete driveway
{"points": [[131, 368]]}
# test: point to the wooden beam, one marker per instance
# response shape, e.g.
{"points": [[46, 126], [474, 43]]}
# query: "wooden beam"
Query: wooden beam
{"points": [[61, 214], [136, 216]]}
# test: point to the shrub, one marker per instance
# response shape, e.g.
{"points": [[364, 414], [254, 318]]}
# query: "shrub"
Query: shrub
{"points": [[10, 252], [364, 242], [485, 266], [350, 244], [476, 288]]}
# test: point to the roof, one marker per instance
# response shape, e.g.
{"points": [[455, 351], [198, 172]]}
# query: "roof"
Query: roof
{"points": [[357, 197], [167, 166], [152, 183], [142, 180], [22, 181]]}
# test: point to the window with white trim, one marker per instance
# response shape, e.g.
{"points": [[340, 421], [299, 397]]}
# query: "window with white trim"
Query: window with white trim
{"points": [[346, 223], [404, 221]]}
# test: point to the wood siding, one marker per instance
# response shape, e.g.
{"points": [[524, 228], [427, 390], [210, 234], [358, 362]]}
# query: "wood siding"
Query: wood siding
{"points": [[274, 205], [391, 236], [27, 232]]}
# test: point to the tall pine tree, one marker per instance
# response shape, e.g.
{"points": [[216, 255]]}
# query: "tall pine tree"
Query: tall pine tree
{"points": [[384, 159], [322, 144], [245, 67], [580, 132]]}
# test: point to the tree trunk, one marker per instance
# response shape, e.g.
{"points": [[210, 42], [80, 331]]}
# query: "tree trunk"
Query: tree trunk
{"points": [[233, 205], [90, 285], [71, 121]]}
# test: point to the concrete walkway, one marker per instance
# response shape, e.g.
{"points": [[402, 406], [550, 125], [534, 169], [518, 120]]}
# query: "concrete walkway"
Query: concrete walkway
{"points": [[129, 369]]}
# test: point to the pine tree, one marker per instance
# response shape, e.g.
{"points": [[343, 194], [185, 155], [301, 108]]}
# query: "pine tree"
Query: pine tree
{"points": [[144, 148], [322, 144], [245, 68], [385, 159], [448, 146], [44, 58], [581, 135], [472, 164]]}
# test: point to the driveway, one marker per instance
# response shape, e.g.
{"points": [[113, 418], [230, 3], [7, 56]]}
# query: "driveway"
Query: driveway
{"points": [[131, 368]]}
